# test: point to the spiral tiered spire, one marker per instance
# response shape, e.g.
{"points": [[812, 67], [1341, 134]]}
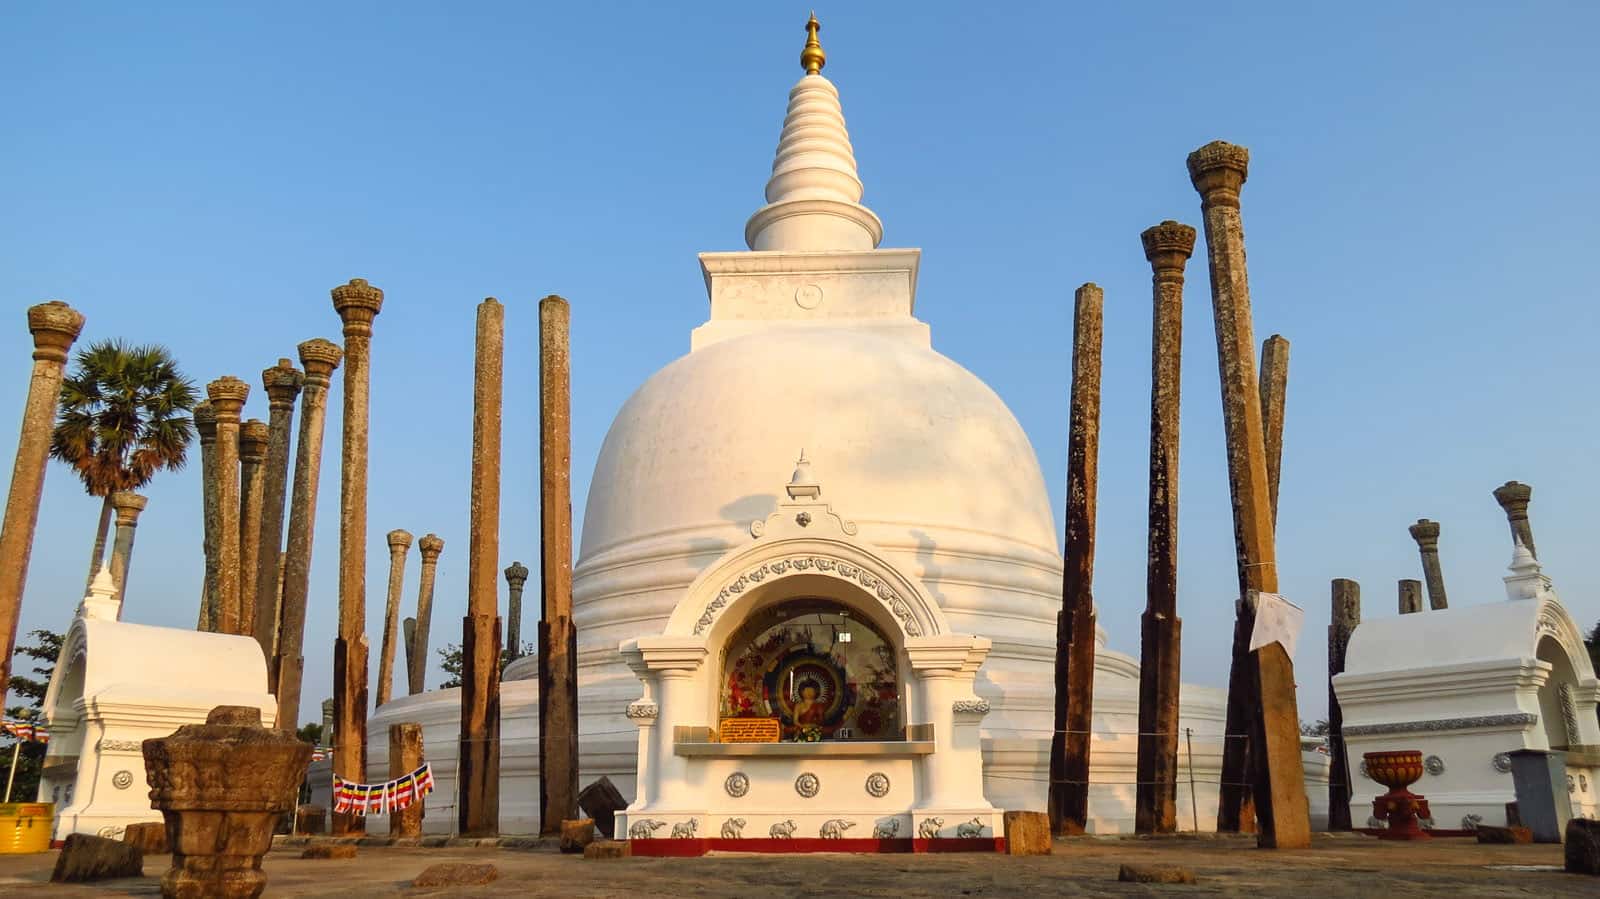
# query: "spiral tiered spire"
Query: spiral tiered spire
{"points": [[814, 194]]}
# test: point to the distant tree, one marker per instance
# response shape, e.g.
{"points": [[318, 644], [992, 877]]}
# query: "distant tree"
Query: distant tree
{"points": [[124, 416], [1318, 729], [1592, 640], [44, 650], [310, 733], [450, 661]]}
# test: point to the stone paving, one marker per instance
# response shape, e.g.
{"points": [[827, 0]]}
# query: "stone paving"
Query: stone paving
{"points": [[1335, 866]]}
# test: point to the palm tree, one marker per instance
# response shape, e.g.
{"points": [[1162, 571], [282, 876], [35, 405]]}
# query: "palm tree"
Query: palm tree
{"points": [[124, 416]]}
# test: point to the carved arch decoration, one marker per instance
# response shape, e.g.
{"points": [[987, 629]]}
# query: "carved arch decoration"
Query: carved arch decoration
{"points": [[1554, 622], [734, 578]]}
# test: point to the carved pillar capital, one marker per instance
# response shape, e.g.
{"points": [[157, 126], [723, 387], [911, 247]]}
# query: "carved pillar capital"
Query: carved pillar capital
{"points": [[516, 575], [1218, 171], [357, 303], [282, 383], [205, 422], [227, 395], [253, 439], [431, 546], [1168, 246], [55, 325], [320, 357], [1426, 533], [128, 505], [399, 540]]}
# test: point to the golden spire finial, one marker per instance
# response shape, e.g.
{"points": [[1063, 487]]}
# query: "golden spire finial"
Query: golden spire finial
{"points": [[812, 58]]}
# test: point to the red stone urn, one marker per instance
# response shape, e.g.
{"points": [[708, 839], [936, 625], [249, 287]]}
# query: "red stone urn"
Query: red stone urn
{"points": [[221, 786], [1400, 807]]}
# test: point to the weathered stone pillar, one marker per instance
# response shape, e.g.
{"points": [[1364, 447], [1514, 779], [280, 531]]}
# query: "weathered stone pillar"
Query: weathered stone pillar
{"points": [[283, 383], [1261, 698], [417, 645], [227, 395], [54, 325], [220, 786], [1346, 615], [399, 544], [405, 756], [557, 646], [320, 358], [1410, 596], [1274, 390], [1513, 497], [205, 427], [327, 721], [478, 772], [1426, 533], [1075, 628], [516, 576], [128, 506], [357, 304], [253, 439], [1167, 246]]}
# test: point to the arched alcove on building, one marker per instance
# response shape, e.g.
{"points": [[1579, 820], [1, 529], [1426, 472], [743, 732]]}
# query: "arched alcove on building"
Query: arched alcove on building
{"points": [[1557, 702], [816, 662]]}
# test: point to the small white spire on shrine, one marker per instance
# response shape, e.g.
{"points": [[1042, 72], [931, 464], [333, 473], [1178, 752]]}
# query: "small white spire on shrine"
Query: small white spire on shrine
{"points": [[803, 484], [1527, 579], [101, 600], [814, 194]]}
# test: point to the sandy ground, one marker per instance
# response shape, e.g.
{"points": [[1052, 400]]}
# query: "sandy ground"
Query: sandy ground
{"points": [[1336, 866]]}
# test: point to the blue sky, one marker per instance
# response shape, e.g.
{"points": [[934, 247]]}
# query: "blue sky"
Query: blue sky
{"points": [[1420, 218]]}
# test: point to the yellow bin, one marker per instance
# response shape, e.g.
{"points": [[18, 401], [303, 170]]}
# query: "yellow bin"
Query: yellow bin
{"points": [[25, 827]]}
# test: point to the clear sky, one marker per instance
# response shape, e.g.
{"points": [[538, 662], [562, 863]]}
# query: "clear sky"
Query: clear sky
{"points": [[1420, 215]]}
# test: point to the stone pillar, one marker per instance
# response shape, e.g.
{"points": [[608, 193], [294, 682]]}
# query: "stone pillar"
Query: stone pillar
{"points": [[1410, 596], [1426, 533], [516, 576], [128, 506], [221, 786], [320, 358], [1167, 246], [1346, 615], [357, 304], [1261, 700], [253, 439], [205, 426], [1274, 390], [1075, 628], [417, 646], [478, 772], [405, 756], [54, 325], [227, 395], [399, 544], [558, 638], [283, 383], [327, 722], [1513, 497]]}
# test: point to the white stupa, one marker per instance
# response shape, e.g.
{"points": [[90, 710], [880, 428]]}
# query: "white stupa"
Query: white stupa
{"points": [[917, 480]]}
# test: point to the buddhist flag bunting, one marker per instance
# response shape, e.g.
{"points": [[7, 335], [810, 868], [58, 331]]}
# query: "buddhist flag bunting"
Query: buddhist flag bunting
{"points": [[385, 798], [26, 731]]}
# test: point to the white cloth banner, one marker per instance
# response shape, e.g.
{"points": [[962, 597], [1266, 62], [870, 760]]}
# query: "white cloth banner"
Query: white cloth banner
{"points": [[1277, 621]]}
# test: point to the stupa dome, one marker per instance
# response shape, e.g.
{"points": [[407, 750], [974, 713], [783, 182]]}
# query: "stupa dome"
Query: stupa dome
{"points": [[919, 452]]}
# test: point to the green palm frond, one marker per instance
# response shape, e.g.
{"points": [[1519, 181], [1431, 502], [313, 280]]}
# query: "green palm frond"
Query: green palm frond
{"points": [[124, 416]]}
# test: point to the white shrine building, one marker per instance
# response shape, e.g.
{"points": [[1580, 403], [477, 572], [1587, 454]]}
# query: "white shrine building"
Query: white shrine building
{"points": [[1467, 685], [117, 684], [892, 602]]}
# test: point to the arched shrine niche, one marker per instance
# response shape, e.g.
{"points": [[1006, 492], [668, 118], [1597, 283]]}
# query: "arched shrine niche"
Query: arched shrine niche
{"points": [[1558, 715], [821, 669]]}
